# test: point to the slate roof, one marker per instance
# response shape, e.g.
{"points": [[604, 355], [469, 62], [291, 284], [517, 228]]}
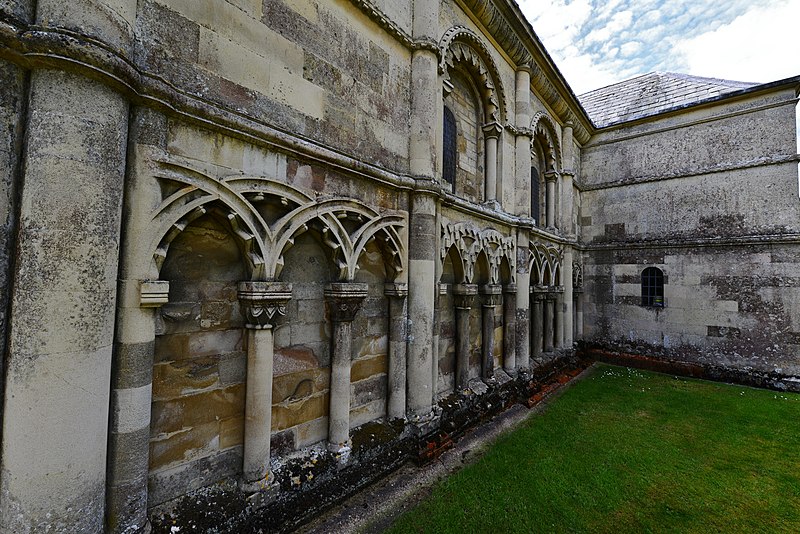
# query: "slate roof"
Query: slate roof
{"points": [[651, 94]]}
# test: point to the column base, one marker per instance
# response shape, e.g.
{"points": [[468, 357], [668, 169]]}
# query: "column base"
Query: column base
{"points": [[341, 451], [147, 528], [265, 484], [423, 424]]}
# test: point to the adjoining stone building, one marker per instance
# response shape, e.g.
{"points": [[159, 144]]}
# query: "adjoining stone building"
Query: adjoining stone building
{"points": [[268, 250]]}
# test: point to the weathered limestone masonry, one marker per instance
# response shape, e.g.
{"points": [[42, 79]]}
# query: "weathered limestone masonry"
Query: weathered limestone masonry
{"points": [[255, 254]]}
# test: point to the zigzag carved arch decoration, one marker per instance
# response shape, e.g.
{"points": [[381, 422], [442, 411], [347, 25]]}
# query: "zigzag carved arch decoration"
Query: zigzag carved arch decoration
{"points": [[461, 46], [544, 260], [545, 131], [469, 242], [264, 242]]}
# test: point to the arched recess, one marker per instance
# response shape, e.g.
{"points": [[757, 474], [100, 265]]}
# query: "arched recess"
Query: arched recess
{"points": [[546, 161], [197, 408], [461, 46], [261, 220], [482, 279], [464, 56], [452, 275]]}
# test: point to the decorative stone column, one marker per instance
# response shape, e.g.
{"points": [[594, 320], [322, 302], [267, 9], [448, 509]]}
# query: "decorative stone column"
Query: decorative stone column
{"points": [[537, 322], [344, 300], [463, 295], [549, 334], [491, 133], [131, 398], [491, 295], [559, 326], [396, 403], [550, 178], [261, 304], [509, 328]]}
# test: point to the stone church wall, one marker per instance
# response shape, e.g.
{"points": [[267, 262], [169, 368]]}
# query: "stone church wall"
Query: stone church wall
{"points": [[710, 198]]}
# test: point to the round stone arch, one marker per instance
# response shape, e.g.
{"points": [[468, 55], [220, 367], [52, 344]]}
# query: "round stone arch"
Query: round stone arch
{"points": [[461, 49], [544, 131]]}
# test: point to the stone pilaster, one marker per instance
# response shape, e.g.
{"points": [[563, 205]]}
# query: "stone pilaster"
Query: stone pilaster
{"points": [[523, 302], [421, 302], [509, 328], [559, 307], [491, 133], [464, 295], [344, 300], [491, 295], [261, 304], [567, 298], [61, 321], [578, 314], [522, 167], [396, 403], [131, 398]]}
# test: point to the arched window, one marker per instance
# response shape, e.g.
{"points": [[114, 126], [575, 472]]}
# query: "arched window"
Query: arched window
{"points": [[450, 141], [535, 211], [653, 287]]}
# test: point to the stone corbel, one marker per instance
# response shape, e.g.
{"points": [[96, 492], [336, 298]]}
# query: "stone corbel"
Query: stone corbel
{"points": [[153, 293]]}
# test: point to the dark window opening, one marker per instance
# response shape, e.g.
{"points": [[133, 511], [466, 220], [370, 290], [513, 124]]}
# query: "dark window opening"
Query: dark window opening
{"points": [[653, 287], [535, 195], [449, 157]]}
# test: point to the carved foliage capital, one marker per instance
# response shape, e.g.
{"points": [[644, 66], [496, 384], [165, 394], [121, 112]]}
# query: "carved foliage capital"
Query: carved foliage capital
{"points": [[463, 295], [263, 302], [344, 300]]}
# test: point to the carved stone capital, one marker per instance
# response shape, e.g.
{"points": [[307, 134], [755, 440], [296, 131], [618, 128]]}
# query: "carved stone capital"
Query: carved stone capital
{"points": [[551, 176], [153, 293], [399, 290], [263, 302], [492, 130], [510, 289], [463, 295], [344, 300], [491, 294]]}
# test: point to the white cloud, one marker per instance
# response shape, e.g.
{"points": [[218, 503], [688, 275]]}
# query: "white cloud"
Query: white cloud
{"points": [[760, 46], [598, 42], [630, 48]]}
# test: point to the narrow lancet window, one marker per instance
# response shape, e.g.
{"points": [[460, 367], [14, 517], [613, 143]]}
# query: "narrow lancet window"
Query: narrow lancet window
{"points": [[449, 155]]}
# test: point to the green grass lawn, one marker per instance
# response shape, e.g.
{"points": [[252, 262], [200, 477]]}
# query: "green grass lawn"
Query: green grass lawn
{"points": [[628, 450]]}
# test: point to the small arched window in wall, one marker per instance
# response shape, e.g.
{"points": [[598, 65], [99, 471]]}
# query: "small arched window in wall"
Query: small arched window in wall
{"points": [[535, 211], [653, 287], [450, 148]]}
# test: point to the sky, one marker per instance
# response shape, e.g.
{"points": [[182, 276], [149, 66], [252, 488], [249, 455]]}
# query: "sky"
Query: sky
{"points": [[596, 43]]}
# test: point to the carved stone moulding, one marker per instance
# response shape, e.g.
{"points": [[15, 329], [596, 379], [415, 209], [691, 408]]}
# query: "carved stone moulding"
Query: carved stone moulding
{"points": [[263, 302], [153, 293], [396, 290], [344, 300], [463, 295]]}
